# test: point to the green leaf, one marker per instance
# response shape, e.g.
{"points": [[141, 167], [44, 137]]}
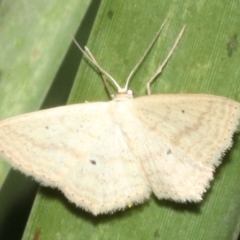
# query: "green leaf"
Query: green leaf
{"points": [[205, 61]]}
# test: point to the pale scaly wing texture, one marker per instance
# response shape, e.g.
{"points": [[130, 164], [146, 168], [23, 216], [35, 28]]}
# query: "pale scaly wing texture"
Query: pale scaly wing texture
{"points": [[181, 139], [80, 150]]}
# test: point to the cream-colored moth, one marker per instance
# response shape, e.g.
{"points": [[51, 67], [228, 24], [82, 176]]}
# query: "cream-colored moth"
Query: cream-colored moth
{"points": [[105, 156]]}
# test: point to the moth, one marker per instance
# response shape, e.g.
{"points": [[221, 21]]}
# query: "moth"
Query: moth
{"points": [[105, 156]]}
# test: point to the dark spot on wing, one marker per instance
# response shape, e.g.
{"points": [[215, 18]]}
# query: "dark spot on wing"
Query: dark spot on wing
{"points": [[183, 111], [93, 162], [169, 151]]}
